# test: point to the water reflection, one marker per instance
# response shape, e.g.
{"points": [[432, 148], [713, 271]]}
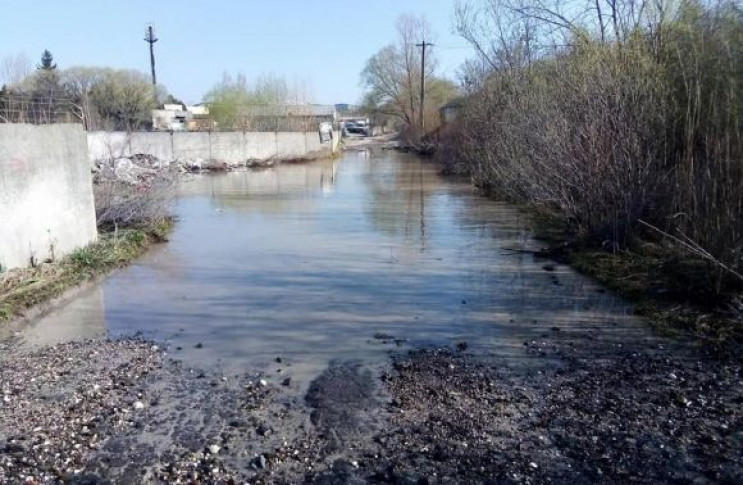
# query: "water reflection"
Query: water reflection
{"points": [[83, 317], [310, 261]]}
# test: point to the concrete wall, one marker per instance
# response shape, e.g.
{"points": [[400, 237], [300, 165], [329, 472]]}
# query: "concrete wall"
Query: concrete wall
{"points": [[46, 193], [231, 147]]}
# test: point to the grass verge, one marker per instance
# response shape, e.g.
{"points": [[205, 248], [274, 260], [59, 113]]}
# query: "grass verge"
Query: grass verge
{"points": [[676, 292], [21, 289]]}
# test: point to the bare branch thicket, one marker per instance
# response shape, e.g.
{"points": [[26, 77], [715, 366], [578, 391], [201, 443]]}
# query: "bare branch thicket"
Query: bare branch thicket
{"points": [[612, 112], [119, 204]]}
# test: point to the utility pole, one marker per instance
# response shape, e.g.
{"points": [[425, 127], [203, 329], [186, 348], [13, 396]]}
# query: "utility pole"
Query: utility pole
{"points": [[150, 38], [423, 46]]}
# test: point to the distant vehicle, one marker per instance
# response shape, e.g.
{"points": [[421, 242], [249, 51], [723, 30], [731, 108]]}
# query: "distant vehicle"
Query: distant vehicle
{"points": [[356, 127]]}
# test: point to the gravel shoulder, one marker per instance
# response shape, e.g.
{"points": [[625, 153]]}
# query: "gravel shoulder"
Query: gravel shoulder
{"points": [[105, 411]]}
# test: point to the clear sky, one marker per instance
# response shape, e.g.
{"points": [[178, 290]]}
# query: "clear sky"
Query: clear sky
{"points": [[321, 43]]}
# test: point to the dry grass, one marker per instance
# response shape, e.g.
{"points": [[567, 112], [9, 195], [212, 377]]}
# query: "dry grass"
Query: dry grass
{"points": [[21, 289], [670, 290]]}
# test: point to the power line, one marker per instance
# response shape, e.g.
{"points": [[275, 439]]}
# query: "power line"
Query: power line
{"points": [[454, 47]]}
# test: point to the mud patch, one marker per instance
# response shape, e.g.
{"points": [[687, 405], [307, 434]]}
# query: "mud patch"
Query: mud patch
{"points": [[342, 399]]}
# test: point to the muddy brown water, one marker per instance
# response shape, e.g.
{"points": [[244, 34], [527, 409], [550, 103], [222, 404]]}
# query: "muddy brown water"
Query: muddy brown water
{"points": [[308, 262]]}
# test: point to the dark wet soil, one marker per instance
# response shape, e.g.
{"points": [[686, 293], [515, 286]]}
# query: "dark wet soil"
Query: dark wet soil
{"points": [[582, 411], [642, 418]]}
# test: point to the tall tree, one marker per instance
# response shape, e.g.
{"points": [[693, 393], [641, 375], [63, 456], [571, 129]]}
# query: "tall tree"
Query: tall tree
{"points": [[392, 77], [47, 61], [123, 99]]}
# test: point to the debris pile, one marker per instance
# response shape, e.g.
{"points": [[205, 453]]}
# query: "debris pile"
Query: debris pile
{"points": [[139, 168]]}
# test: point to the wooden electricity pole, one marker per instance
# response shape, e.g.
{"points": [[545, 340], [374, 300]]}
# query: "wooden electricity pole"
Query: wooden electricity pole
{"points": [[423, 46], [150, 38]]}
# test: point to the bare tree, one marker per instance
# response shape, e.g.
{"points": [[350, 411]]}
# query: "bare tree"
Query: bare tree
{"points": [[79, 83], [392, 76], [14, 69]]}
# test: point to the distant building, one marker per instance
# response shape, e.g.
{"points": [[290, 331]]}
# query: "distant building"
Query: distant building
{"points": [[177, 117], [450, 110], [300, 117], [287, 117]]}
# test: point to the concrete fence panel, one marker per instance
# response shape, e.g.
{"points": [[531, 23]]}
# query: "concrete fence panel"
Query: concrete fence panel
{"points": [[46, 193], [260, 145], [159, 144], [190, 145], [228, 147], [103, 145], [290, 145], [231, 147]]}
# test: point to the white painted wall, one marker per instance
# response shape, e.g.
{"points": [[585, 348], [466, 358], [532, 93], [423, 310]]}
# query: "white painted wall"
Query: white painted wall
{"points": [[46, 193]]}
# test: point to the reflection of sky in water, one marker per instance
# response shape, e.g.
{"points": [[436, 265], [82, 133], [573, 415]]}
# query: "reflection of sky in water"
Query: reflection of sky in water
{"points": [[310, 261]]}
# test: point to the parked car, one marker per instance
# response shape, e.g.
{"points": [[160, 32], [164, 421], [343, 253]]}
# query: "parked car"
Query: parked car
{"points": [[356, 127]]}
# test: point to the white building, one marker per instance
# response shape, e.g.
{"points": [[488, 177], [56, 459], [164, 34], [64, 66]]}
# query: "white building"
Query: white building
{"points": [[173, 117]]}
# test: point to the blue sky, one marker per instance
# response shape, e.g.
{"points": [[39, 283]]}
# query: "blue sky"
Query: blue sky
{"points": [[323, 44]]}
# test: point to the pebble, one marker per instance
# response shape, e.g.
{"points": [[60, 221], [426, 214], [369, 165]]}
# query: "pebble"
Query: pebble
{"points": [[263, 382], [260, 462], [214, 449], [138, 405]]}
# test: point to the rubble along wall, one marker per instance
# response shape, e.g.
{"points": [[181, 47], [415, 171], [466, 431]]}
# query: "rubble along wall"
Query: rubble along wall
{"points": [[230, 147], [46, 193]]}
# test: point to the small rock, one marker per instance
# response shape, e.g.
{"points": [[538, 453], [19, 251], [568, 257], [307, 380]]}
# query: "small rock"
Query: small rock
{"points": [[286, 382], [138, 405], [199, 346], [462, 346], [533, 465], [214, 449], [263, 382]]}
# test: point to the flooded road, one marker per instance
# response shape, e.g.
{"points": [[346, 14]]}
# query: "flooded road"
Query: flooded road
{"points": [[279, 300], [310, 262]]}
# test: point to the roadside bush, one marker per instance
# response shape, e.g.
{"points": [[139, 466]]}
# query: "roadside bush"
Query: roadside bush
{"points": [[625, 139], [144, 204]]}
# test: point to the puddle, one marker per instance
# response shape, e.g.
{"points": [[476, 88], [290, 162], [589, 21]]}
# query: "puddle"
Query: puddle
{"points": [[308, 262]]}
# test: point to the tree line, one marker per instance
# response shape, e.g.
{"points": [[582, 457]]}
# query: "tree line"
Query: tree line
{"points": [[261, 105], [101, 98]]}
